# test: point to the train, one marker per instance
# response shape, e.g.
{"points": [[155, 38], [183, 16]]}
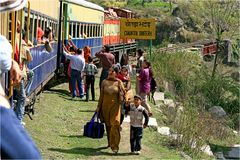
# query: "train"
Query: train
{"points": [[87, 23]]}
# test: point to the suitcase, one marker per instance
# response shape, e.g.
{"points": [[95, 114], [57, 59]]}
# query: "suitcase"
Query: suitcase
{"points": [[94, 129]]}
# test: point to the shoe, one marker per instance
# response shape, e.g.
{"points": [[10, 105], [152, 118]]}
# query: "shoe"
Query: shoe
{"points": [[86, 100], [137, 152]]}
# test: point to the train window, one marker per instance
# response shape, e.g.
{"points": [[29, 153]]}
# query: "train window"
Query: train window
{"points": [[70, 29], [78, 31], [81, 30], [97, 30], [85, 30], [74, 30], [31, 29], [89, 30], [35, 28], [46, 24], [42, 23], [94, 31]]}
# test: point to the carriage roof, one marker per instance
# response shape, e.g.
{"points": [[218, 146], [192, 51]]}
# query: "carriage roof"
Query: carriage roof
{"points": [[86, 4]]}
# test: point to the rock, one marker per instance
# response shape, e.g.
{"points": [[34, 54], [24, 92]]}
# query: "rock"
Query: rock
{"points": [[236, 76], [206, 149], [178, 22], [164, 130], [152, 122], [176, 136], [217, 112], [169, 102], [234, 153], [158, 96], [184, 155], [219, 155]]}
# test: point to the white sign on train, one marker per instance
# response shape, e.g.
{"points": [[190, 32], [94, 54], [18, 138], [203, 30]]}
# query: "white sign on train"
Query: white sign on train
{"points": [[144, 28]]}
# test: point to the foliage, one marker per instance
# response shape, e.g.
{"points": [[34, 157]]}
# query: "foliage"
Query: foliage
{"points": [[190, 80]]}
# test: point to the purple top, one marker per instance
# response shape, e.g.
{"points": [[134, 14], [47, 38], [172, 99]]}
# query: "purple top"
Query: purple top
{"points": [[144, 83]]}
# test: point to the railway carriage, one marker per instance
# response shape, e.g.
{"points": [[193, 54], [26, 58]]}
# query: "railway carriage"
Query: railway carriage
{"points": [[84, 21]]}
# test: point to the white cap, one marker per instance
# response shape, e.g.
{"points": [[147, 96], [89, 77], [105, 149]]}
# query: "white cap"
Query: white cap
{"points": [[12, 5], [5, 54]]}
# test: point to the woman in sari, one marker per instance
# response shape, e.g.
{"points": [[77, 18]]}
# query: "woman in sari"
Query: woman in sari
{"points": [[109, 107]]}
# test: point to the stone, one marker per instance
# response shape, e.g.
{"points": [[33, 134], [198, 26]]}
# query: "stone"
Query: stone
{"points": [[236, 76], [217, 112], [176, 136], [233, 153], [152, 122], [169, 102], [207, 149], [158, 96], [185, 156], [219, 155], [164, 130]]}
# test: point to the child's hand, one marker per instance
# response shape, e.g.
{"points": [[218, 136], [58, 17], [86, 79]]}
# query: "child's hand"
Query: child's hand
{"points": [[144, 126]]}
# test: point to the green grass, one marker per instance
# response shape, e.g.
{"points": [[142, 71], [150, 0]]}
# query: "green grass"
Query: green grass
{"points": [[57, 129]]}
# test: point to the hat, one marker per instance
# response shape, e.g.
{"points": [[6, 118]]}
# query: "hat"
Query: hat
{"points": [[137, 96], [13, 5], [5, 55]]}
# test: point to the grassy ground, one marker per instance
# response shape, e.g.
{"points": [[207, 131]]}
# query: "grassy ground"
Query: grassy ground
{"points": [[57, 129]]}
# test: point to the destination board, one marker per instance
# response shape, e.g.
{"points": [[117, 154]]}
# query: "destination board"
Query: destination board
{"points": [[143, 28]]}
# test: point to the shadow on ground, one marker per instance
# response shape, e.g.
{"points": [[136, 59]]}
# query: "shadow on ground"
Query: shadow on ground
{"points": [[87, 151]]}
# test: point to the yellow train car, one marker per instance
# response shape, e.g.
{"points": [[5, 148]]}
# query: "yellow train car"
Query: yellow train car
{"points": [[83, 20]]}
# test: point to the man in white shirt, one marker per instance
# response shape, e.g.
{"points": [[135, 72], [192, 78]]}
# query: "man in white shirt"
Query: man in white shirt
{"points": [[77, 67]]}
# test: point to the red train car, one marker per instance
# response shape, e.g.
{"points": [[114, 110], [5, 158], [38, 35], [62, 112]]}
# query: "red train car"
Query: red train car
{"points": [[209, 48], [111, 33]]}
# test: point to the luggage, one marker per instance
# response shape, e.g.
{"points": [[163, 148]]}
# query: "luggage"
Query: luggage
{"points": [[94, 129]]}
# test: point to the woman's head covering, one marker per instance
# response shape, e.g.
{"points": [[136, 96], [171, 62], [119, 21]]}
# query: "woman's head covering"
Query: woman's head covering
{"points": [[13, 5], [115, 68]]}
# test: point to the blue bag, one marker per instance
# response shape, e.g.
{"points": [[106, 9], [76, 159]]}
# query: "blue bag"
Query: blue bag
{"points": [[94, 129]]}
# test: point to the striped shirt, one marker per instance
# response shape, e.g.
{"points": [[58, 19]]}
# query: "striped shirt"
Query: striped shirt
{"points": [[137, 114], [90, 69]]}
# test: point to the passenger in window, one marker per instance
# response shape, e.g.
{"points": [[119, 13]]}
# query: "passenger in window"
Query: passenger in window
{"points": [[40, 34]]}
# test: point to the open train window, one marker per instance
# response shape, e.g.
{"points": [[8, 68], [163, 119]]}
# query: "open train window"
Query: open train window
{"points": [[85, 30], [97, 30], [70, 29], [81, 30], [78, 28], [74, 30], [89, 30], [94, 30]]}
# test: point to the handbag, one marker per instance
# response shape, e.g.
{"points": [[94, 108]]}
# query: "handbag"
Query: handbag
{"points": [[94, 129]]}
